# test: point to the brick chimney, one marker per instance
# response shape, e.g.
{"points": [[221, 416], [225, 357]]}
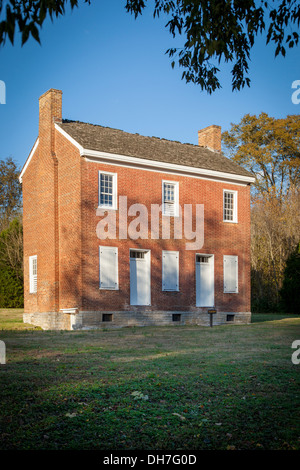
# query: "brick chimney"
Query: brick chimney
{"points": [[210, 137], [50, 110]]}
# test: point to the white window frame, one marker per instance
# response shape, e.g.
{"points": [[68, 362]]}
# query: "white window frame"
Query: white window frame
{"points": [[176, 289], [225, 288], [32, 276], [176, 198], [235, 218], [114, 204], [116, 286]]}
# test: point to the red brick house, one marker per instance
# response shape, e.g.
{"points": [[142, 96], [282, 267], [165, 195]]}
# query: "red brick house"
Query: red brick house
{"points": [[122, 229]]}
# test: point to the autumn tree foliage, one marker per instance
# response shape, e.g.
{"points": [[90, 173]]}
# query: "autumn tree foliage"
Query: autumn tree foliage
{"points": [[270, 149]]}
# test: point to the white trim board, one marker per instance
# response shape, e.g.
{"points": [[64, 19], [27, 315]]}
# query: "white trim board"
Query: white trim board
{"points": [[28, 159], [68, 137], [163, 167]]}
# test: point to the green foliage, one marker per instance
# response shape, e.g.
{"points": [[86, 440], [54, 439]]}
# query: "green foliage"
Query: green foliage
{"points": [[290, 292], [11, 289], [214, 31], [29, 15], [11, 265], [218, 31]]}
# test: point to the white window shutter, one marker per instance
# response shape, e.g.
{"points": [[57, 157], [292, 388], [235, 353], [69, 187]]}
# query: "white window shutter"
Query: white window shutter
{"points": [[170, 270], [108, 261], [230, 274], [169, 208], [33, 274]]}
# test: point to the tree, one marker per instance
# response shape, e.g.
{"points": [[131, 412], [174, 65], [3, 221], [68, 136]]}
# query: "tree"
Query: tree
{"points": [[215, 30], [11, 247], [268, 148], [10, 192], [275, 228], [291, 283], [11, 289], [11, 265]]}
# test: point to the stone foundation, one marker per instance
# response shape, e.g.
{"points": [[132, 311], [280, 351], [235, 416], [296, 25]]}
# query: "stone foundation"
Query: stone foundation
{"points": [[49, 320], [70, 320]]}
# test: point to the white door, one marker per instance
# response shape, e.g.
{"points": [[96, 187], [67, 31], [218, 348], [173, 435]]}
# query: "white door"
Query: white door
{"points": [[205, 281], [140, 290]]}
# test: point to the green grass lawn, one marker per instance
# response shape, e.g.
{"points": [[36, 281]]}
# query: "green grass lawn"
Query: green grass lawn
{"points": [[152, 388]]}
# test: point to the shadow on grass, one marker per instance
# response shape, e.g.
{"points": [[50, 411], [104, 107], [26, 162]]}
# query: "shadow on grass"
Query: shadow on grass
{"points": [[264, 317]]}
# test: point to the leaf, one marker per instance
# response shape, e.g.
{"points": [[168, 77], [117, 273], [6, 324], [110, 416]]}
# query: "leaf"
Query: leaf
{"points": [[183, 418], [35, 33], [71, 415], [139, 396], [25, 35]]}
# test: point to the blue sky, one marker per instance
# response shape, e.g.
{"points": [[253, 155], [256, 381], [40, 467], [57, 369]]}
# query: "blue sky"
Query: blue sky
{"points": [[113, 71]]}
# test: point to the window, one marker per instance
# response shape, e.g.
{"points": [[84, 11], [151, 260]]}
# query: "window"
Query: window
{"points": [[33, 274], [170, 198], [230, 317], [170, 271], [229, 206], [107, 317], [230, 274], [108, 264], [137, 254], [176, 317], [107, 190], [202, 259]]}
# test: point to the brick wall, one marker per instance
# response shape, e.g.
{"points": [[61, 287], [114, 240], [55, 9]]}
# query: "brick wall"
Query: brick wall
{"points": [[31, 221], [220, 238], [69, 223]]}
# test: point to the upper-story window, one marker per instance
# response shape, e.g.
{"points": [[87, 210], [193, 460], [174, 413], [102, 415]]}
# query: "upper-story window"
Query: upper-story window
{"points": [[229, 206], [107, 190], [170, 198]]}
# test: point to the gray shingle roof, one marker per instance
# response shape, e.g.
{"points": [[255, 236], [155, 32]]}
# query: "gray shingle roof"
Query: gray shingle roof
{"points": [[115, 141]]}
